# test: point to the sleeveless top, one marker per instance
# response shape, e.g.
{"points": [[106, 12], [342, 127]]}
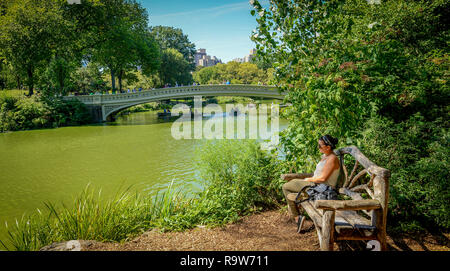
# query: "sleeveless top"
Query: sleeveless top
{"points": [[332, 180]]}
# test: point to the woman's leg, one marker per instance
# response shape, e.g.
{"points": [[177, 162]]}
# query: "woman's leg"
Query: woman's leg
{"points": [[294, 186]]}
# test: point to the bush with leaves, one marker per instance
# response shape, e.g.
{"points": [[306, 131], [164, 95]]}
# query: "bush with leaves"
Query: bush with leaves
{"points": [[345, 61], [349, 64], [419, 152], [25, 113], [238, 178], [20, 113], [67, 113]]}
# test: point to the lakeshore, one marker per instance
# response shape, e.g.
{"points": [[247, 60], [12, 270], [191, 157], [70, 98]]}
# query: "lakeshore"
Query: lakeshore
{"points": [[266, 231]]}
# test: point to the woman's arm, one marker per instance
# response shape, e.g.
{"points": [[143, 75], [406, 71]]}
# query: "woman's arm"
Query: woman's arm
{"points": [[290, 176], [331, 164]]}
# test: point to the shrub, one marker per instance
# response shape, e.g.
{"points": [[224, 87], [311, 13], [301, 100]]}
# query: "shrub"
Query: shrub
{"points": [[67, 113], [417, 154], [24, 113], [20, 113], [238, 178]]}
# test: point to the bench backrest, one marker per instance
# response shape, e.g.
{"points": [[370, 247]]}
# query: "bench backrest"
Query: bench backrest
{"points": [[365, 177]]}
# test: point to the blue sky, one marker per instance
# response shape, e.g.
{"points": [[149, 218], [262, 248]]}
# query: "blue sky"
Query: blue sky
{"points": [[222, 27]]}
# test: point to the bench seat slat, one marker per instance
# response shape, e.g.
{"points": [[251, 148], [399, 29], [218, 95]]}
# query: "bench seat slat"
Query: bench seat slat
{"points": [[349, 223], [366, 204], [353, 195], [313, 213]]}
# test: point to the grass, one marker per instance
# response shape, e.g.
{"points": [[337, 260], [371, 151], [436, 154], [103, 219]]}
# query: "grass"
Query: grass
{"points": [[91, 217], [13, 92]]}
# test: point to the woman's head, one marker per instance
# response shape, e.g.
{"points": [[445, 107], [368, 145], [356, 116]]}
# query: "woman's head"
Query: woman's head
{"points": [[327, 143]]}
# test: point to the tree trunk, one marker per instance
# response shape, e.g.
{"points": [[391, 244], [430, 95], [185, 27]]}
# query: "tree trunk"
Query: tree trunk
{"points": [[30, 81], [120, 80], [61, 79], [4, 79], [113, 81], [19, 86]]}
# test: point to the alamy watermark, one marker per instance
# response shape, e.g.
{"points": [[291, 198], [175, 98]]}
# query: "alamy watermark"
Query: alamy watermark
{"points": [[212, 128]]}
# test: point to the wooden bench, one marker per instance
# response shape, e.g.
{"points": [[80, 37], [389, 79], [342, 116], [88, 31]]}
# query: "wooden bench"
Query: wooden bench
{"points": [[363, 217]]}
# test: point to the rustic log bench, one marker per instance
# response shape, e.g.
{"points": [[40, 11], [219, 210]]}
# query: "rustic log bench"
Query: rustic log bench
{"points": [[363, 217]]}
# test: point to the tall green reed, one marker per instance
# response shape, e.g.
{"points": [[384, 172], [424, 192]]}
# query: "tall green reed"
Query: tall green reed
{"points": [[91, 217]]}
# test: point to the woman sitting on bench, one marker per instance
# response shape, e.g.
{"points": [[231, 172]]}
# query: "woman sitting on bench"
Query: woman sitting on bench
{"points": [[327, 171]]}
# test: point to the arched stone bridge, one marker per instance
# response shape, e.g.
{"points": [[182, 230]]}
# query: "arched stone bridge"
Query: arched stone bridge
{"points": [[103, 105]]}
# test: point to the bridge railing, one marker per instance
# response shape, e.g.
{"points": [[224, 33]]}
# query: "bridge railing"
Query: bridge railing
{"points": [[173, 91]]}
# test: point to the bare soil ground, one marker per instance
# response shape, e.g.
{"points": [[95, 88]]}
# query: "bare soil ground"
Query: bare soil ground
{"points": [[270, 231]]}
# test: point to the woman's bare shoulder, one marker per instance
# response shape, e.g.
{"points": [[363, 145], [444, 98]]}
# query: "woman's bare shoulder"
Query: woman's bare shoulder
{"points": [[333, 159]]}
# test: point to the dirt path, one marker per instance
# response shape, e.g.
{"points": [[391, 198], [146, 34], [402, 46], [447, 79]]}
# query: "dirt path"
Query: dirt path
{"points": [[270, 231]]}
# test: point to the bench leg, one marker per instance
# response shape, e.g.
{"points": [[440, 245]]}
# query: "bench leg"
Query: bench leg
{"points": [[327, 236], [380, 220], [319, 234], [382, 239]]}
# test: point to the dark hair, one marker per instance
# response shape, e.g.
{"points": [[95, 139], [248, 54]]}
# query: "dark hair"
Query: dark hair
{"points": [[329, 141]]}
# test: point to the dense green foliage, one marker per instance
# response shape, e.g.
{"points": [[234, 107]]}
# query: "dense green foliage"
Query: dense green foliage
{"points": [[234, 72], [127, 46], [56, 47], [417, 152], [88, 79], [237, 177], [174, 38], [175, 69], [374, 74], [24, 113], [29, 37]]}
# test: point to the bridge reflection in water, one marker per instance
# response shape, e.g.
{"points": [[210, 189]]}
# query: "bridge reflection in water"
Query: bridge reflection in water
{"points": [[102, 106]]}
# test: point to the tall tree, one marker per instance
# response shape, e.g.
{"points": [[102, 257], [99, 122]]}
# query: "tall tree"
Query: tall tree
{"points": [[170, 37], [126, 44], [174, 68], [31, 32]]}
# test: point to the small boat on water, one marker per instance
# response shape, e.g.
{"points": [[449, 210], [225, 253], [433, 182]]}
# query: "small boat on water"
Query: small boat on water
{"points": [[169, 114], [164, 114]]}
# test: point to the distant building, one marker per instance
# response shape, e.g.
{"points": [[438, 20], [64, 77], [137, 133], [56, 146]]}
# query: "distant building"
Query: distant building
{"points": [[202, 59], [246, 58]]}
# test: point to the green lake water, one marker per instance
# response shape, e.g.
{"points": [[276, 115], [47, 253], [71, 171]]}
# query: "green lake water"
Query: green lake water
{"points": [[55, 165]]}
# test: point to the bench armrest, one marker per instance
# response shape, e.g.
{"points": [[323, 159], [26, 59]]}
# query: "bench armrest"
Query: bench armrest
{"points": [[290, 176], [365, 204]]}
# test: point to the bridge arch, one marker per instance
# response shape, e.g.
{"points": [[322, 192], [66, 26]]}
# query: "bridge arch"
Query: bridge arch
{"points": [[105, 105]]}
